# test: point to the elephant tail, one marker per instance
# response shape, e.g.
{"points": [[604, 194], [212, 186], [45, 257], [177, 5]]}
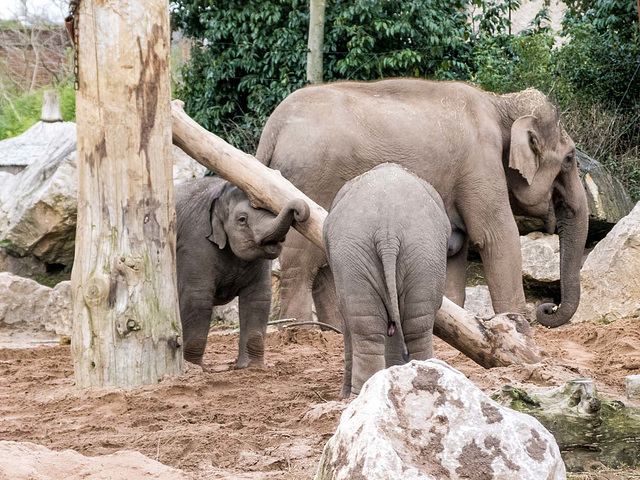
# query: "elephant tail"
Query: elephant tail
{"points": [[388, 256]]}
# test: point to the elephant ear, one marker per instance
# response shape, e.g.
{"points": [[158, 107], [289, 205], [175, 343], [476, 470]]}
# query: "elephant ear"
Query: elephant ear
{"points": [[526, 147], [218, 235]]}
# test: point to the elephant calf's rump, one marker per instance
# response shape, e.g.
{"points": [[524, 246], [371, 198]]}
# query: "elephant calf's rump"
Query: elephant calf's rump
{"points": [[386, 240]]}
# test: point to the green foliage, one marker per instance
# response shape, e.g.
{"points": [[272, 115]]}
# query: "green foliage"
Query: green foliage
{"points": [[23, 111]]}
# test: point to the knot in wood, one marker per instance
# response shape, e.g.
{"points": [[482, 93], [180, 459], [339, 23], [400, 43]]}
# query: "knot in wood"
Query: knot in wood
{"points": [[95, 290]]}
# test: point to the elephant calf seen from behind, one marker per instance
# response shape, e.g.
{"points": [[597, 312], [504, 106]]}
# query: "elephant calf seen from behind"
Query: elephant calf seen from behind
{"points": [[224, 250], [386, 239]]}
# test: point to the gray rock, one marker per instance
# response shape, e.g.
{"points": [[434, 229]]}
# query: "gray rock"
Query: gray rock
{"points": [[58, 312], [607, 198], [478, 301], [227, 314], [540, 257], [426, 420], [184, 167], [610, 278], [22, 302], [21, 266]]}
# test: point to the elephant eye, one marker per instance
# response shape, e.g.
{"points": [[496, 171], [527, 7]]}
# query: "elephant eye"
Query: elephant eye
{"points": [[242, 219], [569, 159]]}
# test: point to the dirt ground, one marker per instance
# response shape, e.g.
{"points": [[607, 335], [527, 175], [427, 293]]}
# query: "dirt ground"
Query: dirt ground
{"points": [[262, 423]]}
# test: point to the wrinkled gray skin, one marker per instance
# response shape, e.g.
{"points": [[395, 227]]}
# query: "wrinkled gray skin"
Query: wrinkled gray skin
{"points": [[488, 157], [386, 240], [224, 250]]}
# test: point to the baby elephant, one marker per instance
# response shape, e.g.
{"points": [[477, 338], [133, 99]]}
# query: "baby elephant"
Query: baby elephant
{"points": [[386, 241], [224, 250]]}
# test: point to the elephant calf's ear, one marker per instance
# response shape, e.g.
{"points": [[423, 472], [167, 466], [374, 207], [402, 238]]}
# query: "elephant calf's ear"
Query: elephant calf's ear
{"points": [[218, 235], [525, 149]]}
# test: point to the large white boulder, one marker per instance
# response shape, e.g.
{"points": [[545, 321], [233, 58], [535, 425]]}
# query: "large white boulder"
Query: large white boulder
{"points": [[540, 257], [610, 277], [38, 215], [22, 301], [426, 420], [28, 461]]}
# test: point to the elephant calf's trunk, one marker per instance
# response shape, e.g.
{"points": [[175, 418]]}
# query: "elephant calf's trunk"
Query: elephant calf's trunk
{"points": [[297, 210]]}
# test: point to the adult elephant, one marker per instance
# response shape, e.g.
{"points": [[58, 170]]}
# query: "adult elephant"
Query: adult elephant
{"points": [[487, 155]]}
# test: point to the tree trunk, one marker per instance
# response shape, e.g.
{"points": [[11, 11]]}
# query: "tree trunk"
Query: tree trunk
{"points": [[589, 429], [503, 340], [316, 41], [126, 321]]}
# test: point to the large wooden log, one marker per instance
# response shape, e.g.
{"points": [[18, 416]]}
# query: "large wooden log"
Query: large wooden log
{"points": [[126, 325], [589, 429], [502, 340]]}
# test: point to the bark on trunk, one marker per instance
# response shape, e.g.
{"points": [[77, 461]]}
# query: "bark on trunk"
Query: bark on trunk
{"points": [[316, 40], [126, 321], [589, 429], [503, 340]]}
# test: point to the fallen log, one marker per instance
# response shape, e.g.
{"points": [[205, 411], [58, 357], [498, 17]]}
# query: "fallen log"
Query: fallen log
{"points": [[589, 429], [504, 339]]}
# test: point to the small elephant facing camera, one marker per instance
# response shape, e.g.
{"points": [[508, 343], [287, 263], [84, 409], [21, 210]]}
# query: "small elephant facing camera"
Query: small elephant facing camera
{"points": [[224, 250], [386, 238]]}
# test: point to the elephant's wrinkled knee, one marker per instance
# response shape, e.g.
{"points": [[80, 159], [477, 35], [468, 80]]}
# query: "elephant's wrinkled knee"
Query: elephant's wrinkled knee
{"points": [[194, 351]]}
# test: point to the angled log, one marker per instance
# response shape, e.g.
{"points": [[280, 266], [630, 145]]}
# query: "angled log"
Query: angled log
{"points": [[505, 339]]}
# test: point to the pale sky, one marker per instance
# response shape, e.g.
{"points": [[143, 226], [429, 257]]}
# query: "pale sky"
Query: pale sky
{"points": [[53, 10]]}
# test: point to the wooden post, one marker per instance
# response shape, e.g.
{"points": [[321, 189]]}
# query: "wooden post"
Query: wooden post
{"points": [[503, 340], [126, 327], [316, 40]]}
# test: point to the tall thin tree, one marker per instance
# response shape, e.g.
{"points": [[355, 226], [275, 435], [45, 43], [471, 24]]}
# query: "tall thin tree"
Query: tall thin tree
{"points": [[316, 40]]}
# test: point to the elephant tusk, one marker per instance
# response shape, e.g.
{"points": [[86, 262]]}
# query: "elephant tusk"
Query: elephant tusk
{"points": [[554, 309]]}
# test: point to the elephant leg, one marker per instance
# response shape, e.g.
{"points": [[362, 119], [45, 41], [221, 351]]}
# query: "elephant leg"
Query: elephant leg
{"points": [[325, 299], [368, 350], [253, 305], [418, 317], [196, 307], [492, 228], [299, 263], [394, 352], [348, 362], [456, 279]]}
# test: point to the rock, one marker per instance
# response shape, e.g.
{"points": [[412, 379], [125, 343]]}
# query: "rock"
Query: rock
{"points": [[607, 198], [540, 257], [39, 218], [58, 312], [38, 207], [609, 277], [227, 314], [27, 461], [44, 140], [23, 301], [633, 386], [21, 266], [478, 301], [184, 167], [425, 420]]}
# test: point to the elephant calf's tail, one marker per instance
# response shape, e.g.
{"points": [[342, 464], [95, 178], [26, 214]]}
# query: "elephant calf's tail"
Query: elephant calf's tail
{"points": [[388, 256]]}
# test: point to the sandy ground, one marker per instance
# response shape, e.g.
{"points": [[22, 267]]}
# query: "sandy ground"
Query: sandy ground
{"points": [[261, 423]]}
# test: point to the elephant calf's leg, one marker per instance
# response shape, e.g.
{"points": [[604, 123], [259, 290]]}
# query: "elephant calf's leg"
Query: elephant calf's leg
{"points": [[417, 325], [348, 362], [195, 314], [253, 305], [368, 353]]}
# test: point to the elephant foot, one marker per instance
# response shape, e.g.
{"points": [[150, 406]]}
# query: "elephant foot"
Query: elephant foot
{"points": [[197, 365], [247, 362]]}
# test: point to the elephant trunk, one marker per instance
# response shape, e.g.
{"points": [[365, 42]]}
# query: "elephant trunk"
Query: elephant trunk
{"points": [[573, 223], [276, 231]]}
